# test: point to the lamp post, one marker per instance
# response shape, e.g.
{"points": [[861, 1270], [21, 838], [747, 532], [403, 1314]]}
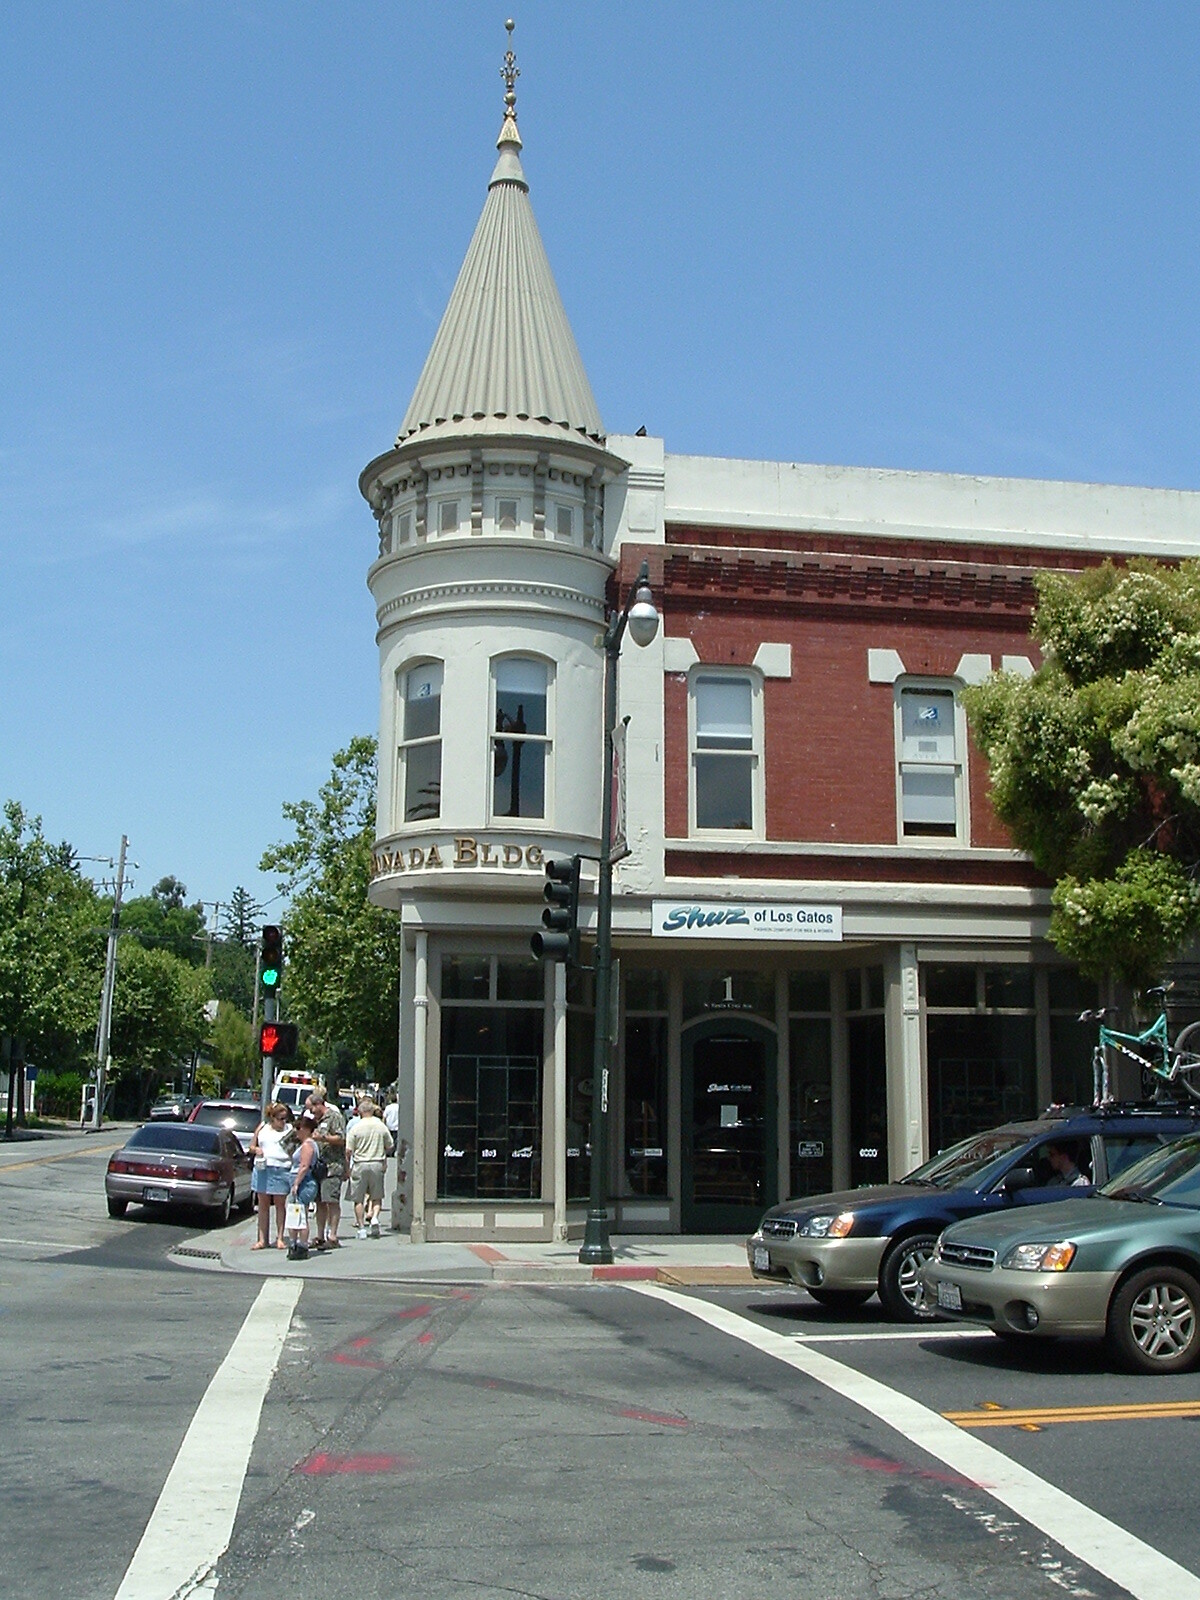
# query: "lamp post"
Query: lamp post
{"points": [[641, 619]]}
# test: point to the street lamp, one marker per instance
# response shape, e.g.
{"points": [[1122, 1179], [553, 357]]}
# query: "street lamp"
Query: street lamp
{"points": [[642, 620]]}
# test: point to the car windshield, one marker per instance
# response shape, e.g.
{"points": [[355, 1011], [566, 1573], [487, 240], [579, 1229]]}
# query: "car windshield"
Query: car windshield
{"points": [[242, 1118], [970, 1162], [1171, 1176], [189, 1138]]}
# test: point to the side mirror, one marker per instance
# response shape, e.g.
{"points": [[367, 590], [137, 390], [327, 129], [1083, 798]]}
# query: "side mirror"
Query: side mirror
{"points": [[1019, 1178]]}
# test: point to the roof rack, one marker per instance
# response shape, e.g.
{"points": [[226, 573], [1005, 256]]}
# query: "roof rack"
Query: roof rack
{"points": [[1109, 1108]]}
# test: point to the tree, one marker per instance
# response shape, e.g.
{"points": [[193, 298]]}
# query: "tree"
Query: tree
{"points": [[242, 917], [1095, 762], [51, 943], [233, 1045], [342, 954], [161, 921], [158, 1019]]}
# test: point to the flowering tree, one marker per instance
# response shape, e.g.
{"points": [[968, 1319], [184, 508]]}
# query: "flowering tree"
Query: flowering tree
{"points": [[1095, 762]]}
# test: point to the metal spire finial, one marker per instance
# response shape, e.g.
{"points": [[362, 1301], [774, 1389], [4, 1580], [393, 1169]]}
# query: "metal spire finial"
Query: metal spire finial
{"points": [[510, 72]]}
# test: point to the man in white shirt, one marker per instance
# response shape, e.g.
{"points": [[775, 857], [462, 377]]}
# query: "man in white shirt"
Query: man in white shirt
{"points": [[368, 1145], [391, 1116]]}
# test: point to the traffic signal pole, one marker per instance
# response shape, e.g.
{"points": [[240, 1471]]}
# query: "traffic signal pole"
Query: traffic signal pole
{"points": [[268, 1062]]}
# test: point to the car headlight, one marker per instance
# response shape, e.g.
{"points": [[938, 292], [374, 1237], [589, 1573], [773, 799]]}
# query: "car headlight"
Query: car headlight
{"points": [[1055, 1257], [828, 1227]]}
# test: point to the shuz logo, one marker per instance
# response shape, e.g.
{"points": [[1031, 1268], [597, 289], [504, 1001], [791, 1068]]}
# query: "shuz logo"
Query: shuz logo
{"points": [[696, 917]]}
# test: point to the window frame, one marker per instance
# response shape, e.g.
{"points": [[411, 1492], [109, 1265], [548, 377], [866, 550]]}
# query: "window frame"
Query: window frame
{"points": [[754, 754], [546, 740], [423, 741], [961, 836]]}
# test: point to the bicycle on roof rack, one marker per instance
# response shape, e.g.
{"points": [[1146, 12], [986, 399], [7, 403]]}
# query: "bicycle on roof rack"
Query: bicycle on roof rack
{"points": [[1164, 1065]]}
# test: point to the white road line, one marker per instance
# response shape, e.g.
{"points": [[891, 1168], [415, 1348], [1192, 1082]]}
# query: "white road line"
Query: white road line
{"points": [[1122, 1557], [191, 1525], [892, 1333], [46, 1244]]}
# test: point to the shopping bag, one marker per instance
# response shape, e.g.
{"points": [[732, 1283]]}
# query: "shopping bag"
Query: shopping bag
{"points": [[295, 1216]]}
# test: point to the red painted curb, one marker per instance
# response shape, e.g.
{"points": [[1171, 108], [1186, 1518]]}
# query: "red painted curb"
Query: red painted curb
{"points": [[626, 1273]]}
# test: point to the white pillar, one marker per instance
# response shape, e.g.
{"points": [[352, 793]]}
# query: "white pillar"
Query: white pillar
{"points": [[559, 1133], [420, 1072], [907, 1136]]}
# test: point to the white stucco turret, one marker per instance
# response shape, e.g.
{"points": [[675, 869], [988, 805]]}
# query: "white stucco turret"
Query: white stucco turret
{"points": [[491, 578]]}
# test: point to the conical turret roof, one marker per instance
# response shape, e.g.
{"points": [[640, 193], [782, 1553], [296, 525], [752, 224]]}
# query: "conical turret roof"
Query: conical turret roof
{"points": [[504, 349]]}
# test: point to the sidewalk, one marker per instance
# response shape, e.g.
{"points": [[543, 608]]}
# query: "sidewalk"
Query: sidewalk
{"points": [[670, 1258]]}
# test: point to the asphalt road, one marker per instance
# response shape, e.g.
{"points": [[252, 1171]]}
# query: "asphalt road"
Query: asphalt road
{"points": [[537, 1441]]}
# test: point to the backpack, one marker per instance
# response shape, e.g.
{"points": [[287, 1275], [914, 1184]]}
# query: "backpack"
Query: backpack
{"points": [[319, 1171]]}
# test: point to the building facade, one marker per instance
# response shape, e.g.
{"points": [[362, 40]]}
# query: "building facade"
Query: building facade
{"points": [[831, 960]]}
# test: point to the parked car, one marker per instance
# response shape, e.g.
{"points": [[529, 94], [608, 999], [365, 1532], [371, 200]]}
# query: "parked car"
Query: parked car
{"points": [[244, 1096], [1122, 1266], [234, 1115], [843, 1248], [174, 1107], [168, 1164]]}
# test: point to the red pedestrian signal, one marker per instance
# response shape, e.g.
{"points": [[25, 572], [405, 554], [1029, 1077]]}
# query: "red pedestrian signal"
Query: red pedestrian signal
{"points": [[278, 1040]]}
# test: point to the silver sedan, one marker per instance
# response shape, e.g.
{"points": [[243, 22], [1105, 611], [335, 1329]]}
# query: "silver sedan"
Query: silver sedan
{"points": [[164, 1164]]}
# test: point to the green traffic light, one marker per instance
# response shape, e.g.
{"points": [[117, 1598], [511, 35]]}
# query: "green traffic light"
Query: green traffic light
{"points": [[270, 977]]}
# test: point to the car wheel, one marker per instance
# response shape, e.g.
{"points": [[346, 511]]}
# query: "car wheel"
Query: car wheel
{"points": [[841, 1299], [900, 1286], [117, 1208], [1154, 1321], [225, 1209]]}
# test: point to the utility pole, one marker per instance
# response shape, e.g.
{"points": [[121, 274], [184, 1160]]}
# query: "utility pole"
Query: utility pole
{"points": [[210, 928], [104, 1033]]}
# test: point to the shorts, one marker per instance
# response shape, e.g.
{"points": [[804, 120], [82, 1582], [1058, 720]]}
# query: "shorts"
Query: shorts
{"points": [[331, 1190], [307, 1192], [367, 1182], [271, 1180]]}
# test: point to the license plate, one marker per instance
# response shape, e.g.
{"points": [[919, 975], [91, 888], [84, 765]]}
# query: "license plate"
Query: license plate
{"points": [[762, 1260], [152, 1195], [949, 1297]]}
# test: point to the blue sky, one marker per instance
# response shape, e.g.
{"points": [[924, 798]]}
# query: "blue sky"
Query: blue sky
{"points": [[937, 236]]}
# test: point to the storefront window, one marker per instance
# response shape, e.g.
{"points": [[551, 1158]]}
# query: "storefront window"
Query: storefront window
{"points": [[491, 1122], [646, 1105], [982, 1071], [811, 1125], [1071, 1041]]}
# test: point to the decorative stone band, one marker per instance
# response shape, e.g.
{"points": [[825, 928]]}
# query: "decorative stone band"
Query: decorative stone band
{"points": [[473, 596]]}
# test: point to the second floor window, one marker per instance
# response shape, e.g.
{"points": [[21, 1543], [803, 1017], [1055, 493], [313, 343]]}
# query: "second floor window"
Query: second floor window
{"points": [[930, 764], [725, 766], [421, 742], [521, 744]]}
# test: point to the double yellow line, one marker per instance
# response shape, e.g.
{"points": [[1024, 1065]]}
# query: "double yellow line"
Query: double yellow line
{"points": [[1033, 1418]]}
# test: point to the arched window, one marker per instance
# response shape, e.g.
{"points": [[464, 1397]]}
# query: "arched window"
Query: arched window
{"points": [[521, 742], [420, 746]]}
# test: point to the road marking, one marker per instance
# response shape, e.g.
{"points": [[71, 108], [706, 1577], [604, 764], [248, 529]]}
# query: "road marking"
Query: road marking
{"points": [[191, 1525], [895, 1333], [63, 1155], [1122, 1557], [1004, 1417], [46, 1244]]}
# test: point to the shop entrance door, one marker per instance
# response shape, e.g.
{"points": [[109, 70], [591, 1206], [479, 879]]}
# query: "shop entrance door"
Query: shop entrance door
{"points": [[730, 1160]]}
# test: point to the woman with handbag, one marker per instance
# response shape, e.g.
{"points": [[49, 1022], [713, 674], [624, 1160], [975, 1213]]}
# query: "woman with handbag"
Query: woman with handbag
{"points": [[303, 1189], [272, 1175]]}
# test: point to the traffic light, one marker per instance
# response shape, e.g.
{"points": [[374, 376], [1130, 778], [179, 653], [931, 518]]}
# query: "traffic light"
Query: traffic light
{"points": [[278, 1040], [560, 942], [272, 958]]}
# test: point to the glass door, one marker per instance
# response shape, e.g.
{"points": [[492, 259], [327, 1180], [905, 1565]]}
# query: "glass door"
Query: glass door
{"points": [[730, 1165]]}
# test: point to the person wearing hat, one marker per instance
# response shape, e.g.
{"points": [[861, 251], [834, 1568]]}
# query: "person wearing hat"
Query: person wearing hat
{"points": [[368, 1145]]}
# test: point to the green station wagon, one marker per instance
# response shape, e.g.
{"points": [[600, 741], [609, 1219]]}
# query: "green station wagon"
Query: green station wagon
{"points": [[1121, 1265]]}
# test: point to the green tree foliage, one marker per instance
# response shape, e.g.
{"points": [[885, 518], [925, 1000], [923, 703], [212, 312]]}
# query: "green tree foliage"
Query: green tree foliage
{"points": [[158, 1017], [232, 975], [341, 969], [161, 921], [51, 943], [243, 916], [1095, 762], [233, 1046]]}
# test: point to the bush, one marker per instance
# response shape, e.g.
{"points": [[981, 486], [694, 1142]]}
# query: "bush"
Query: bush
{"points": [[58, 1094]]}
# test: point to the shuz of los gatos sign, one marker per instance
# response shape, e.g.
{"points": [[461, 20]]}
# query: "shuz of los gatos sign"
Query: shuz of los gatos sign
{"points": [[462, 850], [762, 919]]}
